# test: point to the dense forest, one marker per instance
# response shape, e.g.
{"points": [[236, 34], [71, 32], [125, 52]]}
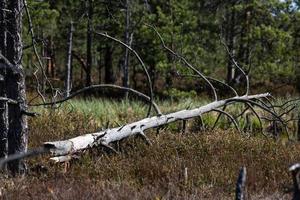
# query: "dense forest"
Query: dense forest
{"points": [[262, 36]]}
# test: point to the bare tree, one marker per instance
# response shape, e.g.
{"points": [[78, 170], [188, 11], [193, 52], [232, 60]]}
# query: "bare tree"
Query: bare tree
{"points": [[89, 58], [231, 39], [128, 40], [68, 76], [3, 103], [13, 121]]}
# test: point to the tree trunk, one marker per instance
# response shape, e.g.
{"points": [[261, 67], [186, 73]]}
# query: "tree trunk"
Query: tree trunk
{"points": [[109, 75], [100, 67], [89, 60], [152, 73], [50, 58], [243, 54], [66, 148], [13, 82], [68, 76], [230, 40], [3, 104], [128, 41]]}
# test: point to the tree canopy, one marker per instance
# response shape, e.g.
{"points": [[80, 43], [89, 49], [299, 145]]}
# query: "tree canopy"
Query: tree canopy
{"points": [[262, 36]]}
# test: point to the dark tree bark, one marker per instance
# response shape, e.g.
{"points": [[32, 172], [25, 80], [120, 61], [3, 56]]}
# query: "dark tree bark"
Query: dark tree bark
{"points": [[134, 72], [230, 41], [243, 55], [100, 66], [108, 67], [128, 40], [152, 73], [68, 75], [13, 82], [298, 128], [3, 104], [89, 44], [50, 54]]}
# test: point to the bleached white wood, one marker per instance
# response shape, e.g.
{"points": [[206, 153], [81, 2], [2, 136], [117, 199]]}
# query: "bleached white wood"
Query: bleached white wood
{"points": [[62, 150]]}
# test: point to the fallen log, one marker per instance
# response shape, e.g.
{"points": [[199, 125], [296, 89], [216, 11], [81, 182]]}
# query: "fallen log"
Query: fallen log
{"points": [[63, 150]]}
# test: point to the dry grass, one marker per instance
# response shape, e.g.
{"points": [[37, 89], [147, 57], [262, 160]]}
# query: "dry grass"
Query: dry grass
{"points": [[212, 160]]}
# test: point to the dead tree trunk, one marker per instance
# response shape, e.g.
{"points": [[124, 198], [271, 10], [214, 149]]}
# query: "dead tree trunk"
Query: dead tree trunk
{"points": [[243, 55], [89, 44], [127, 42], [50, 71], [230, 40], [100, 66], [298, 128], [240, 185], [12, 121], [68, 76], [295, 171], [3, 103], [66, 148]]}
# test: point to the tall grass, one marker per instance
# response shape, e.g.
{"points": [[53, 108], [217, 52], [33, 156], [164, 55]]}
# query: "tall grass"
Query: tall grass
{"points": [[112, 113], [212, 158]]}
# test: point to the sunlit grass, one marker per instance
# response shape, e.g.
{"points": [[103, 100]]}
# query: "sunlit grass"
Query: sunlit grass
{"points": [[110, 113], [212, 158]]}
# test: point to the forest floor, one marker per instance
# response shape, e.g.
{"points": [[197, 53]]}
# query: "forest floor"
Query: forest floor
{"points": [[197, 164]]}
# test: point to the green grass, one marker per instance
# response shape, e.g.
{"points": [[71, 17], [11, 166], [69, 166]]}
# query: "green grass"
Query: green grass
{"points": [[103, 112], [212, 158]]}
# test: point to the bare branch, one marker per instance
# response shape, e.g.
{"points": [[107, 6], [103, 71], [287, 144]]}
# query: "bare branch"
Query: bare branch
{"points": [[8, 100], [18, 156], [238, 67], [139, 94], [12, 67], [218, 118], [141, 62], [258, 117], [230, 117], [186, 62], [241, 114], [287, 102], [212, 79], [33, 41]]}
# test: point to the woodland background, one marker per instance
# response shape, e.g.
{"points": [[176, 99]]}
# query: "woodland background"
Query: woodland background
{"points": [[201, 163], [263, 36]]}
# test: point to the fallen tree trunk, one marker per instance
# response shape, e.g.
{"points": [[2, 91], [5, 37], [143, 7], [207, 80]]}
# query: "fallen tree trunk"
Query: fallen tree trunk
{"points": [[63, 150]]}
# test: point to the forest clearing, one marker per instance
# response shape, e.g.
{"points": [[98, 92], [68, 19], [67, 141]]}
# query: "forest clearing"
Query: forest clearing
{"points": [[138, 99]]}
